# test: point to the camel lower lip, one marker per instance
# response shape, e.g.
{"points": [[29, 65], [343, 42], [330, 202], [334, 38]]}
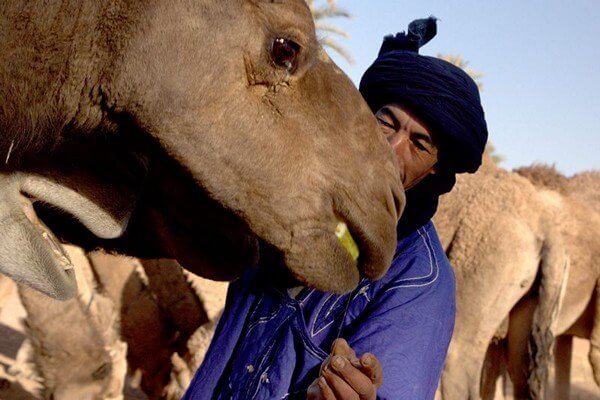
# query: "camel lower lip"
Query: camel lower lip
{"points": [[50, 239]]}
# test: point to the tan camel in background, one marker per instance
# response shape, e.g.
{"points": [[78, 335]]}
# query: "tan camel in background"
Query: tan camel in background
{"points": [[521, 254], [149, 321], [579, 314], [75, 345]]}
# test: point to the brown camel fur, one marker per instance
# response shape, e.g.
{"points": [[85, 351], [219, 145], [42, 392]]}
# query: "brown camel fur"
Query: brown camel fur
{"points": [[156, 319], [116, 312], [526, 261], [163, 315], [76, 347], [171, 128], [580, 309]]}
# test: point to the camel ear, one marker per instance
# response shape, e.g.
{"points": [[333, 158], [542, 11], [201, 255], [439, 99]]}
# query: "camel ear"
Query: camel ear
{"points": [[31, 255], [104, 211]]}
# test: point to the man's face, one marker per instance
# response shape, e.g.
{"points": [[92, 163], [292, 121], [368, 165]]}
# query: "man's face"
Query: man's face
{"points": [[414, 145]]}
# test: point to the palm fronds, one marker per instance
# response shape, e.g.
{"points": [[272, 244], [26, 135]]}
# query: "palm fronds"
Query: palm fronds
{"points": [[463, 64], [325, 11]]}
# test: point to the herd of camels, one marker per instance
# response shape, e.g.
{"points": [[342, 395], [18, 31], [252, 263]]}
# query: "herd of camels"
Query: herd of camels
{"points": [[111, 140]]}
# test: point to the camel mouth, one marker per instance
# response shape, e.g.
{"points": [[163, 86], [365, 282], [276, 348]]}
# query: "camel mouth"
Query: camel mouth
{"points": [[60, 255], [30, 254], [347, 240]]}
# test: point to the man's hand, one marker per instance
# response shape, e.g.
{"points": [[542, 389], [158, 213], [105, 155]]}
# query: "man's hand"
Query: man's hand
{"points": [[343, 376]]}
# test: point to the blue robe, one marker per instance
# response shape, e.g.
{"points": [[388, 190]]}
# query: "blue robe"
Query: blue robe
{"points": [[270, 344]]}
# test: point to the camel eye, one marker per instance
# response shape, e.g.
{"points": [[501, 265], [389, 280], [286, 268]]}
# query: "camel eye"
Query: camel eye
{"points": [[284, 53]]}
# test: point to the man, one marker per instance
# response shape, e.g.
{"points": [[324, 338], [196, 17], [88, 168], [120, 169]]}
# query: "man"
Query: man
{"points": [[273, 343]]}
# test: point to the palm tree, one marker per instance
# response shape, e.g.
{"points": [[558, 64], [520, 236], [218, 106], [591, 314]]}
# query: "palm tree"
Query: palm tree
{"points": [[326, 11]]}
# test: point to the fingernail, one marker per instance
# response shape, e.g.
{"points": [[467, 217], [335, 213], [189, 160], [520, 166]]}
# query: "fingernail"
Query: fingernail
{"points": [[322, 382], [367, 361], [355, 362], [339, 362]]}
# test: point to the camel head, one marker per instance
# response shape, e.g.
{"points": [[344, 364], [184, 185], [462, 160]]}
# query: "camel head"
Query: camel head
{"points": [[211, 132]]}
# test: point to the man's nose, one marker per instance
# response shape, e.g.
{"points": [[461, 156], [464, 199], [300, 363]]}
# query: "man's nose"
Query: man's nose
{"points": [[397, 140]]}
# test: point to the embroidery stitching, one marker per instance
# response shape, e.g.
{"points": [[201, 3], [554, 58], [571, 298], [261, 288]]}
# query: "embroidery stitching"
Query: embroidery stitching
{"points": [[432, 259]]}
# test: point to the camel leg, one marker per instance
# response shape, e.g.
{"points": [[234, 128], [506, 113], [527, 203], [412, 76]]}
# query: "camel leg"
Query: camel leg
{"points": [[494, 368], [175, 297], [462, 374], [519, 333], [562, 364], [143, 326], [76, 346], [594, 355]]}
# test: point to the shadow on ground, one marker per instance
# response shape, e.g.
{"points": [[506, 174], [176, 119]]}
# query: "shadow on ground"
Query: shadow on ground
{"points": [[10, 341], [581, 393]]}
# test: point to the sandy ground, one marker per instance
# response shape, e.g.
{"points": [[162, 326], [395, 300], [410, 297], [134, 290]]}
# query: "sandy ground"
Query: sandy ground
{"points": [[582, 380], [18, 382], [583, 386]]}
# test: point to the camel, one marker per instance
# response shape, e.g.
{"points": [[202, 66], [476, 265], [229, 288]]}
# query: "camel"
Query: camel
{"points": [[526, 262], [148, 320], [579, 314], [203, 131], [75, 344]]}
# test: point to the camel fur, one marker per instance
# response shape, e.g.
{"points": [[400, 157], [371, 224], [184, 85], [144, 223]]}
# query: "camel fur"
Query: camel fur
{"points": [[525, 257], [169, 129], [76, 347]]}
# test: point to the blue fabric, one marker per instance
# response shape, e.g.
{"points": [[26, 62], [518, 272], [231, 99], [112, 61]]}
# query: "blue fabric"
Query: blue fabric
{"points": [[439, 93], [269, 345]]}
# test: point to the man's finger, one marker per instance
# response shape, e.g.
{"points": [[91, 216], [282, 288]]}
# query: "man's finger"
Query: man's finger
{"points": [[339, 387], [341, 347], [313, 392], [319, 390], [360, 383], [326, 391], [371, 366]]}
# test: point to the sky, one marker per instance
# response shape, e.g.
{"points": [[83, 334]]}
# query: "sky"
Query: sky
{"points": [[540, 60]]}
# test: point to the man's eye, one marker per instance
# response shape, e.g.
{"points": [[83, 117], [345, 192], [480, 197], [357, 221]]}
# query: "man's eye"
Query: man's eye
{"points": [[385, 123], [420, 145]]}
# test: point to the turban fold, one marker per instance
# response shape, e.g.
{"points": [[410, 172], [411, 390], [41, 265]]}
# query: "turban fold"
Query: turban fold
{"points": [[438, 93]]}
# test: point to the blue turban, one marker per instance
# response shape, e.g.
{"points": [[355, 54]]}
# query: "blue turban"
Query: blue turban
{"points": [[438, 93]]}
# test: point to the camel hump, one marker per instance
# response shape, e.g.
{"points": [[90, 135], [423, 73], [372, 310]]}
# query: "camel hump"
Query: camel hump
{"points": [[545, 176]]}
